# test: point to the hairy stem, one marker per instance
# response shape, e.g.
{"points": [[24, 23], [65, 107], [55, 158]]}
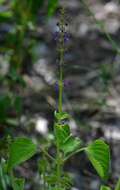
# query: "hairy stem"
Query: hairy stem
{"points": [[58, 166], [62, 52]]}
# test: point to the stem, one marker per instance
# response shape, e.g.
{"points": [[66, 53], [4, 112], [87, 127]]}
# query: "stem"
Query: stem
{"points": [[58, 160], [47, 154], [61, 85], [58, 166], [2, 179], [44, 177], [44, 183], [61, 51], [73, 153]]}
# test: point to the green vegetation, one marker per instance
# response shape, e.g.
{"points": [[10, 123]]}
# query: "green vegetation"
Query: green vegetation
{"points": [[15, 151]]}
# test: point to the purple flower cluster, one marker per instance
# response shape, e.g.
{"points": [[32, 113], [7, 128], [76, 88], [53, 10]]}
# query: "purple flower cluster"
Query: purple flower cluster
{"points": [[57, 34], [66, 37]]}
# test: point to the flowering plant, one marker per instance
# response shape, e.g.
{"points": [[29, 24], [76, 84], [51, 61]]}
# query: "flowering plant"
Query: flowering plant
{"points": [[51, 168]]}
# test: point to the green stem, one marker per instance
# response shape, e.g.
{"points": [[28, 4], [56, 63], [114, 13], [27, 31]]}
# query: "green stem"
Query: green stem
{"points": [[73, 153], [44, 183], [2, 179], [47, 154], [61, 85], [61, 54], [44, 176], [58, 159], [58, 166]]}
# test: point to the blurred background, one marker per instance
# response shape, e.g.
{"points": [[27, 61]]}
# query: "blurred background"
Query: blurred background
{"points": [[29, 73]]}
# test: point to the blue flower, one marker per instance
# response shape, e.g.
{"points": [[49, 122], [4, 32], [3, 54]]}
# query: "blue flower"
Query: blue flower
{"points": [[56, 36], [66, 37]]}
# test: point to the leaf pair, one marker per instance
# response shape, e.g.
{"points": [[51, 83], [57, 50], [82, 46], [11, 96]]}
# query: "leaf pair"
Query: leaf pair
{"points": [[98, 151]]}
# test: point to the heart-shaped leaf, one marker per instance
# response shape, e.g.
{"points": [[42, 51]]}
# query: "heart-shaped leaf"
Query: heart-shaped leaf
{"points": [[99, 154], [20, 150]]}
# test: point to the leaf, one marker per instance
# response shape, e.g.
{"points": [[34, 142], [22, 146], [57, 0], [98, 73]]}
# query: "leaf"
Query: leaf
{"points": [[42, 165], [12, 122], [99, 154], [15, 77], [65, 181], [71, 145], [5, 104], [5, 16], [52, 5], [61, 116], [3, 185], [118, 185], [105, 188], [67, 143], [51, 180], [18, 184], [2, 1], [20, 150], [36, 5], [62, 133]]}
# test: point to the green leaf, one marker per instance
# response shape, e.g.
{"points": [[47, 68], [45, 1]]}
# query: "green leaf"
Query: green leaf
{"points": [[52, 5], [62, 133], [65, 181], [36, 5], [3, 185], [12, 122], [20, 150], [2, 1], [71, 145], [18, 184], [42, 165], [99, 154], [51, 180], [15, 77], [61, 116], [118, 185], [5, 16], [5, 104], [67, 143], [105, 188]]}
